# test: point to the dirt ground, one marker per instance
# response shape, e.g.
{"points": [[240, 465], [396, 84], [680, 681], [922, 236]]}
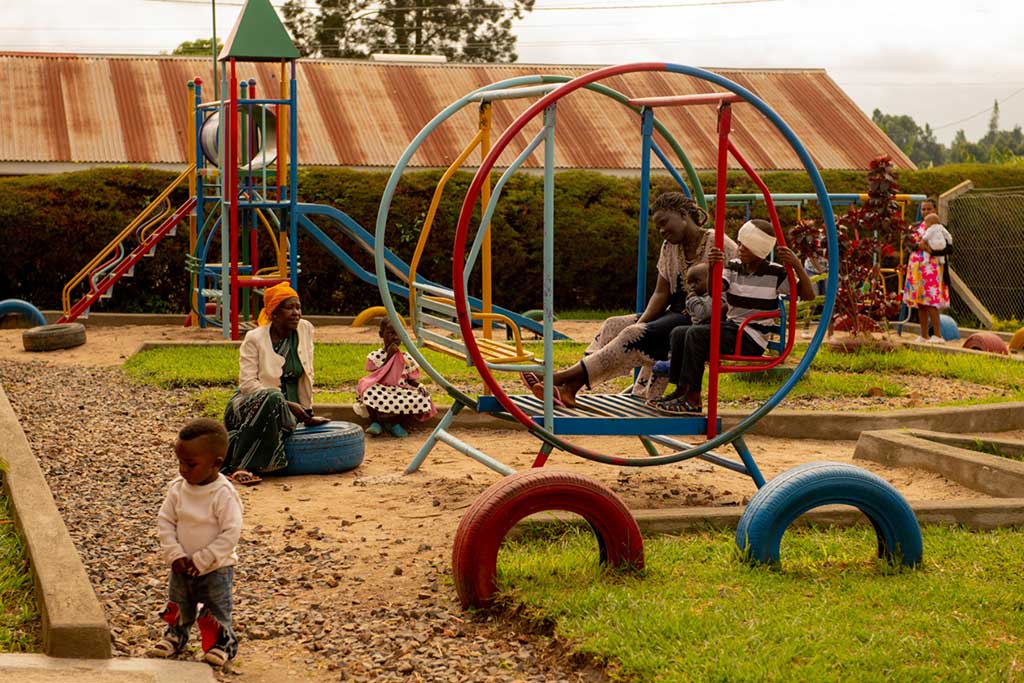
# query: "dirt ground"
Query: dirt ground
{"points": [[359, 559]]}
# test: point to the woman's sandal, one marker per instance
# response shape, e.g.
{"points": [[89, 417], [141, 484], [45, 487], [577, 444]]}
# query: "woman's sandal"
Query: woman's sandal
{"points": [[536, 386], [678, 406], [244, 478]]}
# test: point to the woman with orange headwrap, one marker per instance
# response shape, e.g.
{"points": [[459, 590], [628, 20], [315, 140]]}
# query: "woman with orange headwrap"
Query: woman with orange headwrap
{"points": [[275, 387]]}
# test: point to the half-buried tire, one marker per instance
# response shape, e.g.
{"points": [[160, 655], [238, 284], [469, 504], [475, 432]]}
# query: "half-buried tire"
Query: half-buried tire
{"points": [[325, 449], [812, 485], [53, 337], [499, 508]]}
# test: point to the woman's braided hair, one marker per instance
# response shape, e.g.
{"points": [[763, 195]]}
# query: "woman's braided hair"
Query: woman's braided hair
{"points": [[679, 203]]}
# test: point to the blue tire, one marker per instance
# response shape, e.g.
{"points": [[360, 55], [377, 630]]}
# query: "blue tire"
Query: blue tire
{"points": [[24, 309], [812, 485], [948, 328], [325, 449]]}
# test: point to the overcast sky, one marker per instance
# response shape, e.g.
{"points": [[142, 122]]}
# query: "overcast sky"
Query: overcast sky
{"points": [[943, 62]]}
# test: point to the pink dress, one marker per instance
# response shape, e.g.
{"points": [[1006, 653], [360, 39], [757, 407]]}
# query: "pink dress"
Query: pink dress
{"points": [[924, 286]]}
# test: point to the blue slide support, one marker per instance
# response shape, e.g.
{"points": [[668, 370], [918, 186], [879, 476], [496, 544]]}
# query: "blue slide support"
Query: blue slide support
{"points": [[393, 263]]}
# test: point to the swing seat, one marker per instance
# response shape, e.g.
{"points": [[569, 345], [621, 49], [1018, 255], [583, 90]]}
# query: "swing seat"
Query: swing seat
{"points": [[437, 320], [603, 415]]}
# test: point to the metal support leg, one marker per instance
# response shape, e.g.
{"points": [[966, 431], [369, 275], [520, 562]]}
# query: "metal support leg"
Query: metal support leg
{"points": [[542, 454], [741, 447], [649, 447], [432, 440]]}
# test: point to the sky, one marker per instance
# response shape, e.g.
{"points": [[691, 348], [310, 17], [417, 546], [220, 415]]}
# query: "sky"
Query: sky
{"points": [[943, 62]]}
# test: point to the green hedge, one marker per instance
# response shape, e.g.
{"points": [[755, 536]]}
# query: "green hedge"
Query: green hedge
{"points": [[50, 226]]}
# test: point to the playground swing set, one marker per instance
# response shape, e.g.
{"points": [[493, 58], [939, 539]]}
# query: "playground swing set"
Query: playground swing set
{"points": [[624, 414]]}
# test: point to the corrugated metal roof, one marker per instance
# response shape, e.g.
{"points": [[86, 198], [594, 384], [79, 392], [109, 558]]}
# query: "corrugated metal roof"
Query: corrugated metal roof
{"points": [[134, 109]]}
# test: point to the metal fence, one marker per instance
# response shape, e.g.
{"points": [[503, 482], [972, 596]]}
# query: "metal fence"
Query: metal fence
{"points": [[987, 226]]}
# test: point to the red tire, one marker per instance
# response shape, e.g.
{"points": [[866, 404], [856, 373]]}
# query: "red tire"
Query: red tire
{"points": [[499, 508], [987, 341]]}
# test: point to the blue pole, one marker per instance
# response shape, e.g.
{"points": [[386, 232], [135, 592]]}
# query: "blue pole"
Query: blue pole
{"points": [[200, 203], [646, 131]]}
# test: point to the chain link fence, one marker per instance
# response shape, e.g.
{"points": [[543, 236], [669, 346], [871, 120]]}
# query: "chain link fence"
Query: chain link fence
{"points": [[987, 226]]}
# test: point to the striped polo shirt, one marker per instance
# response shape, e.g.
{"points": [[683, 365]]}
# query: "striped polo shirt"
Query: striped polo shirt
{"points": [[753, 292]]}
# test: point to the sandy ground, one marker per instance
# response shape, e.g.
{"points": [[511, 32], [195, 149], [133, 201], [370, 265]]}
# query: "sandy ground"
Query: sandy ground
{"points": [[371, 547]]}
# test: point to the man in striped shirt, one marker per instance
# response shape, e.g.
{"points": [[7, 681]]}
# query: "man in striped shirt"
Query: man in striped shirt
{"points": [[752, 284]]}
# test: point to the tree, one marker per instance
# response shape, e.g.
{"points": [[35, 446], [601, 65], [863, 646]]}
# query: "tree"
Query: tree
{"points": [[461, 30], [199, 46], [920, 145]]}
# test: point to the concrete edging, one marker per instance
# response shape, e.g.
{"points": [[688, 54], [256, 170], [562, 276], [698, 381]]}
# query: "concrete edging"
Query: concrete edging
{"points": [[73, 621], [979, 515], [40, 668], [931, 451]]}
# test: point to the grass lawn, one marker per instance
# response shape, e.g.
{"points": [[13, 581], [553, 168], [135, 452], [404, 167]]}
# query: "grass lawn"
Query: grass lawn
{"points": [[213, 371], [832, 613], [19, 615]]}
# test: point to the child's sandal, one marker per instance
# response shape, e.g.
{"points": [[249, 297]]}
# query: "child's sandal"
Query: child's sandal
{"points": [[679, 406], [163, 649], [215, 657]]}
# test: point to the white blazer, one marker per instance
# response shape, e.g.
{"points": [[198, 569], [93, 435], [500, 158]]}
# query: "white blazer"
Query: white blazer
{"points": [[260, 368]]}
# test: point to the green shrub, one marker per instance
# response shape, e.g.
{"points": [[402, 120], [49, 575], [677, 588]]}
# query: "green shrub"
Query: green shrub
{"points": [[51, 226]]}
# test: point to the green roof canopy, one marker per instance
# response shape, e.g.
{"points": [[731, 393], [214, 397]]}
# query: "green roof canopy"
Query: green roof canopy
{"points": [[258, 36]]}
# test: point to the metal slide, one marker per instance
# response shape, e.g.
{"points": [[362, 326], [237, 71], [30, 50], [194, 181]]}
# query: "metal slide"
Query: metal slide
{"points": [[394, 265]]}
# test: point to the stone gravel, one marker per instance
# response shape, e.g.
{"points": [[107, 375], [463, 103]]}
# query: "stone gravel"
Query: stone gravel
{"points": [[105, 447]]}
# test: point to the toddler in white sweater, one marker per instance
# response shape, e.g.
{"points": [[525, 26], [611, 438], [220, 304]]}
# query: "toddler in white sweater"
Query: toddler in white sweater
{"points": [[199, 525]]}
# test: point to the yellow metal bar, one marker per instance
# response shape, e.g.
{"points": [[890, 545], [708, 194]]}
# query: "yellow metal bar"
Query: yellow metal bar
{"points": [[516, 355], [107, 251], [485, 198], [431, 212]]}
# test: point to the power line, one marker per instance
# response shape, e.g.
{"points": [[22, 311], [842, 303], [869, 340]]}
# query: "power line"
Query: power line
{"points": [[983, 111], [564, 8]]}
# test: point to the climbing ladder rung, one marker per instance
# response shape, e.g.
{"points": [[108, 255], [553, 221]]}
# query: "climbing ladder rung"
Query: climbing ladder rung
{"points": [[130, 272], [212, 294], [151, 252]]}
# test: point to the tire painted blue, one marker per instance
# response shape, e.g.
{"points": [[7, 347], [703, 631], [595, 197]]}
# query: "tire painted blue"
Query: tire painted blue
{"points": [[24, 308], [325, 449], [812, 485], [948, 328]]}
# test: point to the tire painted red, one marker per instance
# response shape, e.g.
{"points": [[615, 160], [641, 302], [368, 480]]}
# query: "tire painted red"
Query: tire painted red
{"points": [[987, 341], [499, 508]]}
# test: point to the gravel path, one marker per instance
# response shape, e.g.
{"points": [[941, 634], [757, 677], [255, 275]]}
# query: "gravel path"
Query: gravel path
{"points": [[105, 447]]}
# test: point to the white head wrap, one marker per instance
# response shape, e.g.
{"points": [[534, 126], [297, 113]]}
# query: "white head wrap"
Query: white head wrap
{"points": [[758, 242]]}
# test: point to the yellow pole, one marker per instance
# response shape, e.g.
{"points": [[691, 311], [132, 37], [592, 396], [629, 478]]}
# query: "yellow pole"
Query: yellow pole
{"points": [[429, 220], [485, 198]]}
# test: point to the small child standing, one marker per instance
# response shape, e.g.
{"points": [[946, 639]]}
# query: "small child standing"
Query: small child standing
{"points": [[392, 391], [199, 525], [937, 237]]}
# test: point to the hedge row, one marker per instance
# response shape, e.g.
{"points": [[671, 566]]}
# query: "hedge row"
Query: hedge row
{"points": [[50, 226]]}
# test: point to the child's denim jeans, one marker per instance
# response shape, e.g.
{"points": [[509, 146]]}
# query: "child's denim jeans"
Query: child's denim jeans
{"points": [[213, 591]]}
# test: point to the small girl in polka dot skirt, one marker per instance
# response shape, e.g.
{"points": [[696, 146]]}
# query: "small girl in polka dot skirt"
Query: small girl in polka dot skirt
{"points": [[392, 394]]}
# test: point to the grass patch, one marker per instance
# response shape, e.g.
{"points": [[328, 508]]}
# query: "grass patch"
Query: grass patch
{"points": [[832, 376], [19, 615], [831, 614]]}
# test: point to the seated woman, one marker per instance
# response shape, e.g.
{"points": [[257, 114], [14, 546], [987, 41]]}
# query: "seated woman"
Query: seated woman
{"points": [[625, 342], [275, 388]]}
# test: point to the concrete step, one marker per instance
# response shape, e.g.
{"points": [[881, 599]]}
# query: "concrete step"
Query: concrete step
{"points": [[26, 668]]}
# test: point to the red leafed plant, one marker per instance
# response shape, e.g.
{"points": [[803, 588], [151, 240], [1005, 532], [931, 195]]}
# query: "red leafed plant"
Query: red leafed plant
{"points": [[868, 238]]}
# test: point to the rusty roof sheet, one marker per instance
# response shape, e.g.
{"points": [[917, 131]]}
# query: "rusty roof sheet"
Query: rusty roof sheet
{"points": [[134, 109]]}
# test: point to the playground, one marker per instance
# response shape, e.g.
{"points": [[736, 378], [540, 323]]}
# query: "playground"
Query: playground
{"points": [[384, 569], [323, 551]]}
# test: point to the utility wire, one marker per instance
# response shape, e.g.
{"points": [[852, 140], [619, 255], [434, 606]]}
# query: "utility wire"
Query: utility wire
{"points": [[564, 8], [983, 111]]}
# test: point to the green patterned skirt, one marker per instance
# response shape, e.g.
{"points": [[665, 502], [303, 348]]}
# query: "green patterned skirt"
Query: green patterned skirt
{"points": [[257, 425]]}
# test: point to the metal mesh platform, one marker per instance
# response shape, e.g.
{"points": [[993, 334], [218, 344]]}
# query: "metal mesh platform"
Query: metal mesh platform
{"points": [[604, 415]]}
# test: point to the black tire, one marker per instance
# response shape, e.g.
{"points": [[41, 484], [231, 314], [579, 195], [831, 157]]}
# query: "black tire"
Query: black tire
{"points": [[500, 507], [53, 337], [812, 485], [325, 449]]}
